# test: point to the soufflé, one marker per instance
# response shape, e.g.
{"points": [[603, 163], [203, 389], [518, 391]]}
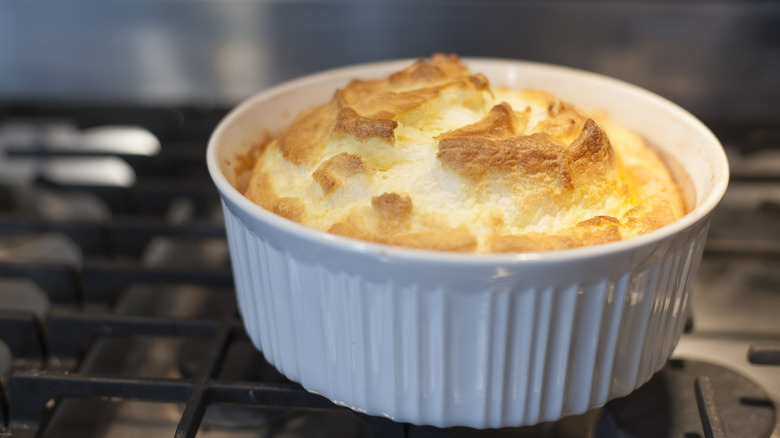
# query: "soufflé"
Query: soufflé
{"points": [[433, 157]]}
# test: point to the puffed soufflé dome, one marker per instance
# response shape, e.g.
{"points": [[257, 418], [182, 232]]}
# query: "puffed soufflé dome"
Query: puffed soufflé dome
{"points": [[433, 157]]}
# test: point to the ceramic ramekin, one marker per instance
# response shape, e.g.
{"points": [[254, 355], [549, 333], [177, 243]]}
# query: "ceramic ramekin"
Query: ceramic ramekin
{"points": [[466, 340]]}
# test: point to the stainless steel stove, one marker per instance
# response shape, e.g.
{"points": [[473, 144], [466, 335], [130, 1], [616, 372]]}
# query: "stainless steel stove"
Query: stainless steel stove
{"points": [[117, 314]]}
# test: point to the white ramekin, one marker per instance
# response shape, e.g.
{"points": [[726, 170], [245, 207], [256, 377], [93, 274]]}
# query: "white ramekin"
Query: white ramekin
{"points": [[472, 340]]}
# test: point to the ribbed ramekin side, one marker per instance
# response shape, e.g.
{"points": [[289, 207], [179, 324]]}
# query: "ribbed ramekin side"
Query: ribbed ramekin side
{"points": [[264, 281], [239, 277], [587, 332], [502, 341], [603, 338], [656, 301], [680, 308], [526, 336], [670, 302], [590, 323], [504, 354], [432, 349], [609, 331], [244, 278]]}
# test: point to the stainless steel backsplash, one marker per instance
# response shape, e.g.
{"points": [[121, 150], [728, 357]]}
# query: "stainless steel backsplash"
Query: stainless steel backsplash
{"points": [[720, 60]]}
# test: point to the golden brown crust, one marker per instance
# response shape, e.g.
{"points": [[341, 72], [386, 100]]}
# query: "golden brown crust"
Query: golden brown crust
{"points": [[370, 98], [349, 122], [455, 240], [331, 173], [474, 157], [493, 145], [304, 138], [564, 121], [488, 170], [528, 242], [591, 150], [593, 231], [439, 68], [246, 161], [392, 205], [592, 144], [596, 230], [348, 229], [500, 123], [643, 219], [599, 221], [366, 108], [480, 81], [260, 190], [290, 208], [420, 72], [409, 88]]}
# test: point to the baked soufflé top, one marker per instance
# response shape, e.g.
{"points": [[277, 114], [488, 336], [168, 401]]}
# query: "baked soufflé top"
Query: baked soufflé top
{"points": [[433, 157]]}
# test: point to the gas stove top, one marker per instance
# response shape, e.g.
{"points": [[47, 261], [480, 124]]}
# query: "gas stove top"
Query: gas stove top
{"points": [[118, 318]]}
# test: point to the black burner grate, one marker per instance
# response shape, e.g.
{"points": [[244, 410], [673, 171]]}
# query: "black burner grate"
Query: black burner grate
{"points": [[50, 353], [708, 400], [158, 244]]}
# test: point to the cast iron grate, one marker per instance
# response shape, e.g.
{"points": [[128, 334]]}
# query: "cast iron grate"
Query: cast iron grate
{"points": [[30, 390], [48, 352]]}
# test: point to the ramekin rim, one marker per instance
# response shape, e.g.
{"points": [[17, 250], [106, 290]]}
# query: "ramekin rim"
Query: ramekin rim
{"points": [[694, 216]]}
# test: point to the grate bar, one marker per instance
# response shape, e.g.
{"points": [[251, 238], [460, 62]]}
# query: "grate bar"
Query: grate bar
{"points": [[196, 407], [58, 281], [268, 395], [717, 246], [69, 332], [764, 354], [709, 412], [90, 236], [24, 334], [130, 236], [151, 227], [103, 279], [117, 198], [95, 238], [30, 390], [381, 427], [176, 187], [755, 177]]}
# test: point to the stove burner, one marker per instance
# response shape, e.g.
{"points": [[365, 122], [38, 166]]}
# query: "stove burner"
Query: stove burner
{"points": [[666, 406]]}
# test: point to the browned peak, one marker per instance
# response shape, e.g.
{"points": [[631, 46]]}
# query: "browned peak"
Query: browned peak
{"points": [[349, 122], [500, 123], [564, 121], [331, 173], [591, 150], [375, 99], [365, 108], [473, 157], [410, 87], [438, 69]]}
